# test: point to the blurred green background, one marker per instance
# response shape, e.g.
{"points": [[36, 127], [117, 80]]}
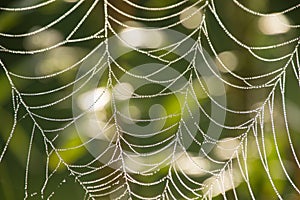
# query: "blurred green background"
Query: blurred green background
{"points": [[250, 29]]}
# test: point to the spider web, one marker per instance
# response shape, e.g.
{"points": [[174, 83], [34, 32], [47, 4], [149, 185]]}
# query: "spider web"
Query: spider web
{"points": [[258, 139]]}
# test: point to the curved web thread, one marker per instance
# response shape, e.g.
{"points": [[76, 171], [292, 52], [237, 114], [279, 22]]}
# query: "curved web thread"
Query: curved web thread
{"points": [[155, 170]]}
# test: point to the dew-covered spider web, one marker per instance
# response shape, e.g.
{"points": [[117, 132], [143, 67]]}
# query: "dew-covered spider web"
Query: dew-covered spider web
{"points": [[180, 99]]}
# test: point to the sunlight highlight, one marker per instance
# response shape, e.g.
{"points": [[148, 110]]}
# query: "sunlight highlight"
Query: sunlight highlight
{"points": [[227, 148], [229, 59], [42, 40], [226, 181], [142, 38], [192, 17], [94, 100], [123, 91], [273, 25], [192, 165]]}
